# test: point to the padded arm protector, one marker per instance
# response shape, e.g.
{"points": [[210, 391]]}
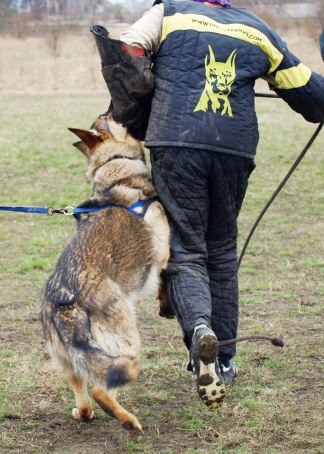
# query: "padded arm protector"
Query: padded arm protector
{"points": [[127, 73]]}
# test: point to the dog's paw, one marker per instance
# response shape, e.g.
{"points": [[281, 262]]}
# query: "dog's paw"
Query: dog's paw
{"points": [[169, 314], [134, 427], [166, 310], [84, 415]]}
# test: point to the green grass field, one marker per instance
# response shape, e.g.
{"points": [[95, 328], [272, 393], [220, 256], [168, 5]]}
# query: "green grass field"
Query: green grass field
{"points": [[277, 403]]}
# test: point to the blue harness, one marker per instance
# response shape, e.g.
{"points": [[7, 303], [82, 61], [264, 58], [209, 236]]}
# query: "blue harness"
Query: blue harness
{"points": [[139, 208]]}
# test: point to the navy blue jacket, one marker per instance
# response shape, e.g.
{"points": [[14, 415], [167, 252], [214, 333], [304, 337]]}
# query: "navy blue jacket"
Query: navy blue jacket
{"points": [[205, 70], [321, 40]]}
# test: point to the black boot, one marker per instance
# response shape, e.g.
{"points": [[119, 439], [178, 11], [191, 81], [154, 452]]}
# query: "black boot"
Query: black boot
{"points": [[203, 359]]}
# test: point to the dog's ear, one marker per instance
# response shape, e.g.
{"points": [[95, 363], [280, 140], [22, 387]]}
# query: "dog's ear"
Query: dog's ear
{"points": [[91, 140], [83, 148]]}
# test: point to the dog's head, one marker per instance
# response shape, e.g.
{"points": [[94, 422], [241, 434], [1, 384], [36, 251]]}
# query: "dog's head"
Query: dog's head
{"points": [[105, 140], [220, 76]]}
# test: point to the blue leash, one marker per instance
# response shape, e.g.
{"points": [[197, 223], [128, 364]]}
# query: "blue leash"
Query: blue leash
{"points": [[38, 210], [138, 209]]}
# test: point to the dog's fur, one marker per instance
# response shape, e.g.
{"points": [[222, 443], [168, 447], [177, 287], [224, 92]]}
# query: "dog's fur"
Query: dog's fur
{"points": [[115, 258]]}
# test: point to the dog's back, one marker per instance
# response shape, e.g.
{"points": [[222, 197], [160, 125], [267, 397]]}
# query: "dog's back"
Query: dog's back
{"points": [[87, 306]]}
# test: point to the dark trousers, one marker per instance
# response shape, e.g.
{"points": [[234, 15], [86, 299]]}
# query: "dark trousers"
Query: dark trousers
{"points": [[202, 193]]}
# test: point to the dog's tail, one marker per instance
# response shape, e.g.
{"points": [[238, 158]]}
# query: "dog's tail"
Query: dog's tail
{"points": [[82, 354]]}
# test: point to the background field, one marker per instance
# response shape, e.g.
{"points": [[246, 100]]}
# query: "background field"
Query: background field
{"points": [[277, 403]]}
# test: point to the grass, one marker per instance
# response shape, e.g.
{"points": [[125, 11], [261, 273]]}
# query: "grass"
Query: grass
{"points": [[277, 403]]}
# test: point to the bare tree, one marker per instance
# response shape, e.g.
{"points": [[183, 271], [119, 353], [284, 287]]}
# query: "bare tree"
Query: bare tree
{"points": [[316, 25], [7, 14]]}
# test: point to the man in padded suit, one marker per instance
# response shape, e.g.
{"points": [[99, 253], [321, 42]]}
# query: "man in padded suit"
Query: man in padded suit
{"points": [[202, 134]]}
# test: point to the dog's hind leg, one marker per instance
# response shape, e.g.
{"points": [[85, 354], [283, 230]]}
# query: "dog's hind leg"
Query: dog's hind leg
{"points": [[107, 401], [83, 412]]}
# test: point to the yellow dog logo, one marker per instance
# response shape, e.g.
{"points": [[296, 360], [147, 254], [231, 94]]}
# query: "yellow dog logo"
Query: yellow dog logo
{"points": [[219, 79]]}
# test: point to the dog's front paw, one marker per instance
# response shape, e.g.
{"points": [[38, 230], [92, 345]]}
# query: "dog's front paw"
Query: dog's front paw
{"points": [[83, 415]]}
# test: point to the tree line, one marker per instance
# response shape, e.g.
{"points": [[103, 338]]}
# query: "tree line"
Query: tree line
{"points": [[21, 18]]}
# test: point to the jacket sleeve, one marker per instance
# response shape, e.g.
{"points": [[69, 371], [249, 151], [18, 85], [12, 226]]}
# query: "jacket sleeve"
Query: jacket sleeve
{"points": [[321, 41], [146, 32], [301, 88]]}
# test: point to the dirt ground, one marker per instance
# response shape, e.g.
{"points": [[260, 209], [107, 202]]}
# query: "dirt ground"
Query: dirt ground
{"points": [[176, 422]]}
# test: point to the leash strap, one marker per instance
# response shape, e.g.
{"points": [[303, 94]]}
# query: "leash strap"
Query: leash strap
{"points": [[139, 209], [281, 185], [38, 210]]}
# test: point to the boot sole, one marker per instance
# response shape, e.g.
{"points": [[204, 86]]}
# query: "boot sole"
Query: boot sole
{"points": [[210, 387], [207, 348]]}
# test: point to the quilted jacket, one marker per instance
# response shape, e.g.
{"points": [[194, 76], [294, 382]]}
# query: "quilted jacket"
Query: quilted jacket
{"points": [[205, 70]]}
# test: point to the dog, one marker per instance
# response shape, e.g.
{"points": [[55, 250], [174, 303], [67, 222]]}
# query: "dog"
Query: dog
{"points": [[219, 79], [114, 259]]}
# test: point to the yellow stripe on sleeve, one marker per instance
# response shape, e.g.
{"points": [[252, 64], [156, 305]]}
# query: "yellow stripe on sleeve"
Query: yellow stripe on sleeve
{"points": [[200, 23], [294, 77]]}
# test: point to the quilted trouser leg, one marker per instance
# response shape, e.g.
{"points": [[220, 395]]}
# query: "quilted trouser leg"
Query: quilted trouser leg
{"points": [[181, 181], [223, 274], [187, 285], [221, 238], [202, 193]]}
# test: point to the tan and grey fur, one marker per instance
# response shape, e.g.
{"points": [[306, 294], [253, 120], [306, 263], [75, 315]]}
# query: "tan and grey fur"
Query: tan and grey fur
{"points": [[114, 259]]}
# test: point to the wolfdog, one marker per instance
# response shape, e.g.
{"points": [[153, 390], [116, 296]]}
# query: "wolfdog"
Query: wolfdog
{"points": [[114, 259]]}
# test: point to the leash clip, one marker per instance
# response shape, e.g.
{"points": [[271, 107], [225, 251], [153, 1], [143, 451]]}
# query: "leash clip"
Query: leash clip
{"points": [[68, 211]]}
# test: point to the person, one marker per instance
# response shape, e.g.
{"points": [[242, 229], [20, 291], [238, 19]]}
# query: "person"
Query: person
{"points": [[202, 134], [321, 40]]}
